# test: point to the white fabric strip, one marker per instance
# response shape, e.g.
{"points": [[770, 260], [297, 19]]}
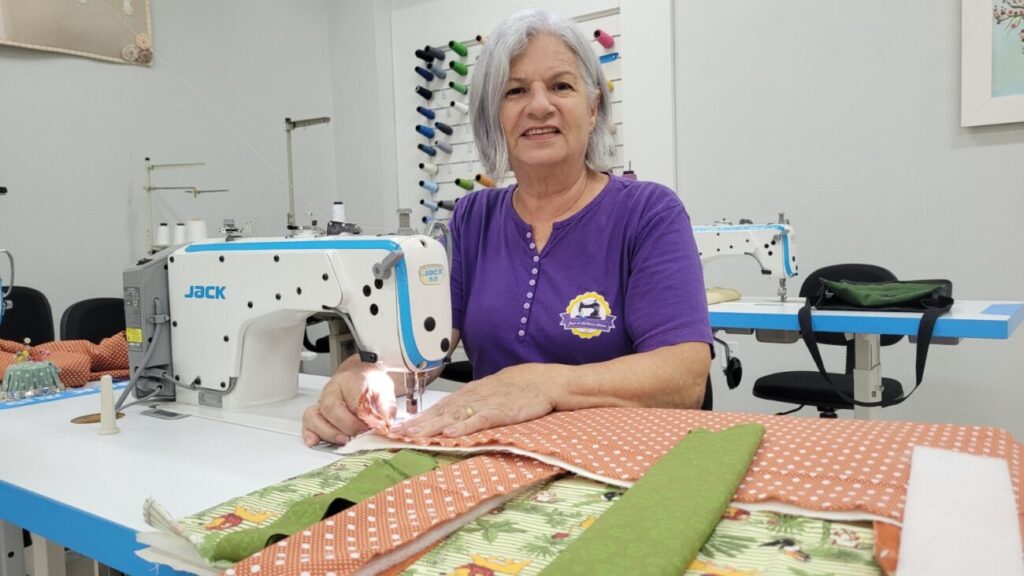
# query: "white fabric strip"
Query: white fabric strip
{"points": [[960, 516]]}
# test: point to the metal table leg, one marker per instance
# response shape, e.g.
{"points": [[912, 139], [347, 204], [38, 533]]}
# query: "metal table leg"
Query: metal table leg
{"points": [[867, 372], [12, 550]]}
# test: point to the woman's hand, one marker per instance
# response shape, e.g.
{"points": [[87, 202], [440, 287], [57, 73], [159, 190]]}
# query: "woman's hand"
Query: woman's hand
{"points": [[513, 395], [333, 419]]}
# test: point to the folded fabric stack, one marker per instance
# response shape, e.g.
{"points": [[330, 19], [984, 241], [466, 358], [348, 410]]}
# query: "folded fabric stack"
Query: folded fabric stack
{"points": [[654, 491], [79, 361]]}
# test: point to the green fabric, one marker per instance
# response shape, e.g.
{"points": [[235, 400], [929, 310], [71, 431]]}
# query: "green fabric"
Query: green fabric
{"points": [[378, 476], [665, 518], [879, 294], [521, 537], [525, 535]]}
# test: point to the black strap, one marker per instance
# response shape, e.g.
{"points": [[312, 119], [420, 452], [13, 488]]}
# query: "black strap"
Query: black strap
{"points": [[924, 339]]}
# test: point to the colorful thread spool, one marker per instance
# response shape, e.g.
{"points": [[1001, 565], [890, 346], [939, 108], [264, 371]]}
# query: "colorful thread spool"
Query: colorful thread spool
{"points": [[435, 52], [460, 68], [486, 181], [459, 48], [429, 186], [481, 38], [610, 57], [437, 69], [460, 106], [460, 88], [425, 93], [439, 204], [464, 183], [426, 112], [611, 86], [424, 56], [426, 74], [444, 128], [426, 131], [427, 219], [428, 150], [604, 39], [429, 168], [443, 146]]}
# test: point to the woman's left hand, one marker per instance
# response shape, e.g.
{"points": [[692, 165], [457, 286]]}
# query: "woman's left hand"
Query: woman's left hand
{"points": [[513, 395]]}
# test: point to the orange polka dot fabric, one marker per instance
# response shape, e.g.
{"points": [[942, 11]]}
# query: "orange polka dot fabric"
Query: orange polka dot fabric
{"points": [[837, 465], [79, 361], [343, 543]]}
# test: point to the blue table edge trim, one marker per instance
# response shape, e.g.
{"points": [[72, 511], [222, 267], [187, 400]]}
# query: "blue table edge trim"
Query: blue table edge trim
{"points": [[1001, 326], [107, 542], [67, 393]]}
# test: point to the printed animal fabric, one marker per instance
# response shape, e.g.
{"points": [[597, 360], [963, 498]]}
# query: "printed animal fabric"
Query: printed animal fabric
{"points": [[522, 537]]}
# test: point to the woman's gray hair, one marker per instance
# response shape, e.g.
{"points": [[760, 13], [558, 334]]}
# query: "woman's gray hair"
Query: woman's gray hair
{"points": [[490, 75]]}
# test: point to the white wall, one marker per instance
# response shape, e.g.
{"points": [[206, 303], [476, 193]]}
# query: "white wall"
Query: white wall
{"points": [[74, 132], [846, 116]]}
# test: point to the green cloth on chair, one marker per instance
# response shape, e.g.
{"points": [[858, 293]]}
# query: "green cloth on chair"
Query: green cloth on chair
{"points": [[378, 476], [661, 523]]}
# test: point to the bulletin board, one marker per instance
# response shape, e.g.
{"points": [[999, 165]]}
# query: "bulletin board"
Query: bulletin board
{"points": [[436, 155]]}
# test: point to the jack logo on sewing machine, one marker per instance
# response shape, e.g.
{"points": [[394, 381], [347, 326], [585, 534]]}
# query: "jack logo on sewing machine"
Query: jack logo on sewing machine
{"points": [[430, 274], [206, 292]]}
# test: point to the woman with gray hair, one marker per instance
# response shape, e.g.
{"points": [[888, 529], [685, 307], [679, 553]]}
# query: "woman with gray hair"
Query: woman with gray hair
{"points": [[571, 288]]}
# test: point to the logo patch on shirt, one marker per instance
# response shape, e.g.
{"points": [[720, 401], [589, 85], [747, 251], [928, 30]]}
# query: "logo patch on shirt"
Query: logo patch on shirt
{"points": [[588, 316]]}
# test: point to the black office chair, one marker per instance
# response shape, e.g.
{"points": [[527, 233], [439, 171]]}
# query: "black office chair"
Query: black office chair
{"points": [[463, 372], [93, 319], [808, 387], [29, 317]]}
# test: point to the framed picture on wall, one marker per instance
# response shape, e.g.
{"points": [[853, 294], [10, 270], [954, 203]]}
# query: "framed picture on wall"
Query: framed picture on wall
{"points": [[992, 62]]}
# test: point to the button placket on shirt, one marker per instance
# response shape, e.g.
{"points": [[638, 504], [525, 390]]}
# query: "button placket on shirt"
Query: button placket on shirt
{"points": [[534, 271]]}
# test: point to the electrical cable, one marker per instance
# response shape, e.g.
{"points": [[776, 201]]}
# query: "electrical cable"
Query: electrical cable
{"points": [[159, 320]]}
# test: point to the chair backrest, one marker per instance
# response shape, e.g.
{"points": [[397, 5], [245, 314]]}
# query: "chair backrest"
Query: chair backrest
{"points": [[29, 317], [93, 319], [856, 273]]}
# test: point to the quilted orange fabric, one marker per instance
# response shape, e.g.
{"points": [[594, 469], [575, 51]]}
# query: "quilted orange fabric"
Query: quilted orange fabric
{"points": [[79, 361], [838, 465], [346, 541]]}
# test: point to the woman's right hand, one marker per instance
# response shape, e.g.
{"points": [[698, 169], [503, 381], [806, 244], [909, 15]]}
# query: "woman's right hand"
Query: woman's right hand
{"points": [[333, 419]]}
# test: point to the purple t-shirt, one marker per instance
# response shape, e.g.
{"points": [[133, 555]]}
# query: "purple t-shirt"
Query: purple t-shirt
{"points": [[620, 276]]}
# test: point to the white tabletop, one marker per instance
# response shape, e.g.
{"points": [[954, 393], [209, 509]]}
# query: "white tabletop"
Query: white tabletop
{"points": [[85, 491]]}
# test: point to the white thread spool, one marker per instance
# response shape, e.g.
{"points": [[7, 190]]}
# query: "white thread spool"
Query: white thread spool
{"points": [[163, 235], [179, 234], [338, 212], [108, 418], [195, 230]]}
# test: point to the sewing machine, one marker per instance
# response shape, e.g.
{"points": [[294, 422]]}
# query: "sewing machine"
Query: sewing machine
{"points": [[773, 246], [219, 323]]}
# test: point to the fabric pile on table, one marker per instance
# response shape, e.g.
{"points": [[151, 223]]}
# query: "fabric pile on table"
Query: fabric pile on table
{"points": [[78, 361]]}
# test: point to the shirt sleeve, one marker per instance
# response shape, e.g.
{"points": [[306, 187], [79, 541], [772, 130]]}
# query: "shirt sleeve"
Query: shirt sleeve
{"points": [[665, 299]]}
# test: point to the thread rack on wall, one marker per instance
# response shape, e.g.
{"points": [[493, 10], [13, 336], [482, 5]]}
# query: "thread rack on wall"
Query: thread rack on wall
{"points": [[437, 159]]}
